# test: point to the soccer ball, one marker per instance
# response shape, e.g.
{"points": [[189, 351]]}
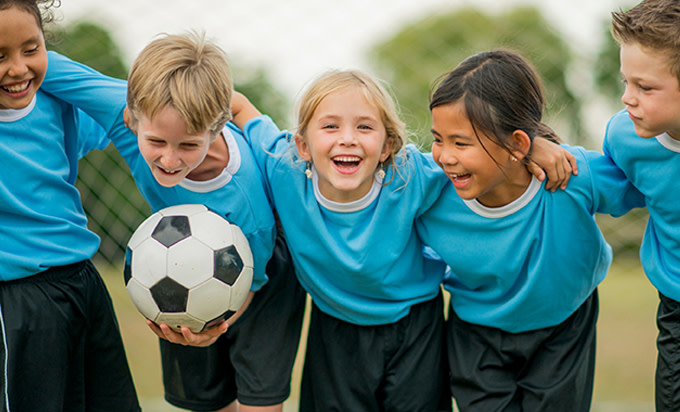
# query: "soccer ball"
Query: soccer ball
{"points": [[187, 266]]}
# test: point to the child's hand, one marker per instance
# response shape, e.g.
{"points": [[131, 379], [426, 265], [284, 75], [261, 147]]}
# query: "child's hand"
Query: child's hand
{"points": [[187, 337], [548, 157]]}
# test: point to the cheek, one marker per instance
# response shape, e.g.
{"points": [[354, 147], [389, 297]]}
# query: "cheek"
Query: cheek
{"points": [[147, 152], [39, 68]]}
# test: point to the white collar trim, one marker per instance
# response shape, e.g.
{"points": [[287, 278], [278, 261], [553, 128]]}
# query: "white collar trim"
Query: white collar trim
{"points": [[510, 208], [668, 142], [12, 115], [353, 206], [226, 175]]}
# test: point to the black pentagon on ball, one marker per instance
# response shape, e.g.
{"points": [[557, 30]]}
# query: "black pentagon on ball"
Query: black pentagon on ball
{"points": [[170, 296], [127, 270], [225, 315], [227, 265], [172, 229]]}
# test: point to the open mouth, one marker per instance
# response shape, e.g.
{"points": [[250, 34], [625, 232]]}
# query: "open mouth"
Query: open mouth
{"points": [[17, 88], [459, 177], [168, 172], [346, 163]]}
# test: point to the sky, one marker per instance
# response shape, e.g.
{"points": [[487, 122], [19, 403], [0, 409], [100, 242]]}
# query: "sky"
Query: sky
{"points": [[295, 40]]}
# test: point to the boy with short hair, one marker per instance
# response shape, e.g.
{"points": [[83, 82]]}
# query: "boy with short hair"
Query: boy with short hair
{"points": [[179, 97], [644, 141]]}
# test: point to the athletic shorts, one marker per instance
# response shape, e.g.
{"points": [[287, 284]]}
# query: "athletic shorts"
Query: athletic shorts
{"points": [[64, 348], [667, 383], [393, 367], [549, 369], [253, 360]]}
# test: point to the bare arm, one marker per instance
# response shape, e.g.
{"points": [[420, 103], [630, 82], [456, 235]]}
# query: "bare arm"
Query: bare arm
{"points": [[242, 110], [552, 160]]}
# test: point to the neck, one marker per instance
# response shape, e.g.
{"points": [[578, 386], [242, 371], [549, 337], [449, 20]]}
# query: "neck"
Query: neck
{"points": [[216, 160], [517, 180]]}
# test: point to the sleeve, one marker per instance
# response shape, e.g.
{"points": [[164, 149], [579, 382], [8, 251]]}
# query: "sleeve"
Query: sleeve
{"points": [[103, 98], [91, 135], [267, 142], [433, 180], [613, 193]]}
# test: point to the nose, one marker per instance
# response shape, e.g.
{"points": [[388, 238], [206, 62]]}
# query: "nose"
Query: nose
{"points": [[17, 67], [446, 156], [627, 97], [348, 137], [170, 159]]}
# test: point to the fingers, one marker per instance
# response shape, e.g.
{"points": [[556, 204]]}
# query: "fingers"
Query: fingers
{"points": [[536, 170], [187, 337]]}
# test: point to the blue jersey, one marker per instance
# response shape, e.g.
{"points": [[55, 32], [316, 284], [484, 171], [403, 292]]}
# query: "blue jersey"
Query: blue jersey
{"points": [[238, 194], [653, 166], [529, 264], [42, 222], [361, 262]]}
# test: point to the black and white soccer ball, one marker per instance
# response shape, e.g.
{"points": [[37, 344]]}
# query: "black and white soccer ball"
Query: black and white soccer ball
{"points": [[187, 266]]}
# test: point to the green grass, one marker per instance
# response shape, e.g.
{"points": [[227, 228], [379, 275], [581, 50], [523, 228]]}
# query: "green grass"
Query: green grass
{"points": [[625, 360]]}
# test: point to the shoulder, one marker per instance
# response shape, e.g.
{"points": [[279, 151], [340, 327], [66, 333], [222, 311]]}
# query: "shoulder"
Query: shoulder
{"points": [[620, 127]]}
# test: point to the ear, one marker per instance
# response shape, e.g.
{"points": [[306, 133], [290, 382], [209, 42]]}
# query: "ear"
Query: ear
{"points": [[303, 148], [129, 121], [521, 143], [387, 149]]}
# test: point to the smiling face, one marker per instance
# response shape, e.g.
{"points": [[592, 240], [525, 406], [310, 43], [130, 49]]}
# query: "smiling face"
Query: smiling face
{"points": [[478, 167], [170, 152], [23, 58], [652, 94], [346, 140]]}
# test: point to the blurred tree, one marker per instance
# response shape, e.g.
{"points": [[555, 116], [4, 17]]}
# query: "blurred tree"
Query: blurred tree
{"points": [[422, 52], [607, 73], [257, 86], [92, 45], [110, 197]]}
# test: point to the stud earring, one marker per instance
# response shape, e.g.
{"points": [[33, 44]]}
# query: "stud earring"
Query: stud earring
{"points": [[513, 158], [308, 170], [381, 172]]}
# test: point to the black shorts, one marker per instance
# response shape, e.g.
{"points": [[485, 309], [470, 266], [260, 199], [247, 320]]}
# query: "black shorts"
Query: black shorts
{"points": [[394, 367], [667, 382], [64, 348], [253, 360], [549, 369]]}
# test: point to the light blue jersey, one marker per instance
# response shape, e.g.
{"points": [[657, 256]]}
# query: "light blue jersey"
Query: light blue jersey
{"points": [[42, 222], [532, 263], [361, 262], [238, 194], [653, 166]]}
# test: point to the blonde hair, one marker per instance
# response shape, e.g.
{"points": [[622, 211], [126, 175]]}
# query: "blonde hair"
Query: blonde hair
{"points": [[186, 72], [653, 24], [335, 80]]}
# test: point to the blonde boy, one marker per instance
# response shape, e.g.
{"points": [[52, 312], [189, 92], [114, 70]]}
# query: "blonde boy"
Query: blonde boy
{"points": [[644, 141], [179, 98]]}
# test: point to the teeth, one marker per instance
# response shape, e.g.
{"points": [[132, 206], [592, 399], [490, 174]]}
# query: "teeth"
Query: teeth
{"points": [[16, 88], [346, 158], [457, 175]]}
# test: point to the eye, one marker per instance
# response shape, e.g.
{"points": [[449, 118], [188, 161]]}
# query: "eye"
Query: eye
{"points": [[155, 142], [33, 50], [329, 126]]}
